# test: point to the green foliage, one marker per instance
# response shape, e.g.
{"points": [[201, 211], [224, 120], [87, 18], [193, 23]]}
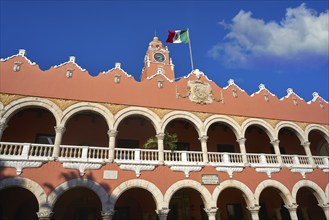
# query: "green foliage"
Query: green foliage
{"points": [[169, 142]]}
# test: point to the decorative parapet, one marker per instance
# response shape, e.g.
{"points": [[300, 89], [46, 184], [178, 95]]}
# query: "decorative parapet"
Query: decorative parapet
{"points": [[71, 60], [21, 53], [198, 75], [117, 66]]}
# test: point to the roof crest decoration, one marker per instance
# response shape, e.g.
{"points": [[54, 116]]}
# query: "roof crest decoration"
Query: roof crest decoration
{"points": [[160, 71], [231, 83], [117, 67], [197, 73], [21, 53], [290, 92], [71, 60], [315, 97], [261, 88]]}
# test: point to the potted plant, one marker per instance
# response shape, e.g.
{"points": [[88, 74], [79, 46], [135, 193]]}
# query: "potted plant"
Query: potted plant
{"points": [[169, 142]]}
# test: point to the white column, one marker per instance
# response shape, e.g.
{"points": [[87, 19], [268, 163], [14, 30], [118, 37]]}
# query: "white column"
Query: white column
{"points": [[161, 137], [112, 135], [254, 212], [325, 208], [242, 146], [211, 212], [162, 213], [58, 140], [306, 146], [203, 139], [2, 128], [276, 147], [292, 211], [107, 215]]}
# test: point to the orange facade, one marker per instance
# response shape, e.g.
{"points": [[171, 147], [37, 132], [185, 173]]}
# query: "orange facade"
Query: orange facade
{"points": [[72, 146]]}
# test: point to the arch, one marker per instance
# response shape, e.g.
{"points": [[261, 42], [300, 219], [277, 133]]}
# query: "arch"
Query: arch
{"points": [[324, 132], [246, 192], [137, 183], [94, 186], [315, 189], [283, 191], [205, 194], [230, 122], [22, 103], [126, 112], [297, 130], [86, 106], [28, 184], [261, 123], [196, 122]]}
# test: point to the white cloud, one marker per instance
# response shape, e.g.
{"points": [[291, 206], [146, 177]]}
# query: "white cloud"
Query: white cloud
{"points": [[302, 35]]}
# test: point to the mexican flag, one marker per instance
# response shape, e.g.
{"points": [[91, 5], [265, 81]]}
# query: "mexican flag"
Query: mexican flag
{"points": [[177, 36]]}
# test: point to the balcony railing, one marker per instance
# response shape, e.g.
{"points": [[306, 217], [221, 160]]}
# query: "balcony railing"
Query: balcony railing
{"points": [[124, 155], [225, 158], [183, 157], [25, 151], [83, 153], [69, 153]]}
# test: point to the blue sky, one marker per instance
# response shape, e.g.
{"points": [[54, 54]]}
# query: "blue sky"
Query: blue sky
{"points": [[282, 44]]}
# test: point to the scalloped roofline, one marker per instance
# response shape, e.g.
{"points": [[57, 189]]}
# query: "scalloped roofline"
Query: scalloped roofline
{"points": [[261, 88], [290, 92], [21, 53], [232, 83], [71, 60], [315, 97], [117, 67], [197, 72]]}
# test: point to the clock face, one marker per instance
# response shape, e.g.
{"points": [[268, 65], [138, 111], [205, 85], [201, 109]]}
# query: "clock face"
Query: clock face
{"points": [[159, 57]]}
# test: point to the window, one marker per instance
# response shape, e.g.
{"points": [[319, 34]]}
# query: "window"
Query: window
{"points": [[45, 139], [227, 148]]}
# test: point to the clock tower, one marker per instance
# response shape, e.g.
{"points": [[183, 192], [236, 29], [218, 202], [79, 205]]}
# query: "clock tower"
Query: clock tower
{"points": [[157, 62]]}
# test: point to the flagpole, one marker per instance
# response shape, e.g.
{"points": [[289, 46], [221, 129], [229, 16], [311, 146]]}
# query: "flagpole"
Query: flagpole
{"points": [[189, 45]]}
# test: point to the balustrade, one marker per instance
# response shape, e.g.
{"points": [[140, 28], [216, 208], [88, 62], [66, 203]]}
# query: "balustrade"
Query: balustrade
{"points": [[28, 151]]}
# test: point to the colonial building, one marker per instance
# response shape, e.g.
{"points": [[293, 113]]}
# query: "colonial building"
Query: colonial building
{"points": [[72, 146]]}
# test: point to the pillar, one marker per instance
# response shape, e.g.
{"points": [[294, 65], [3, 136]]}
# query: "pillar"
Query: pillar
{"points": [[254, 212], [107, 215], [242, 146], [58, 140], [162, 213], [161, 137], [45, 215], [292, 211], [306, 146], [276, 147], [325, 208], [2, 128], [112, 135], [211, 212], [203, 139]]}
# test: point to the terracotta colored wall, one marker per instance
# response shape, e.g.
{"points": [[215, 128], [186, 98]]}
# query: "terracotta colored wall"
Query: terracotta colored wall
{"points": [[30, 80]]}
